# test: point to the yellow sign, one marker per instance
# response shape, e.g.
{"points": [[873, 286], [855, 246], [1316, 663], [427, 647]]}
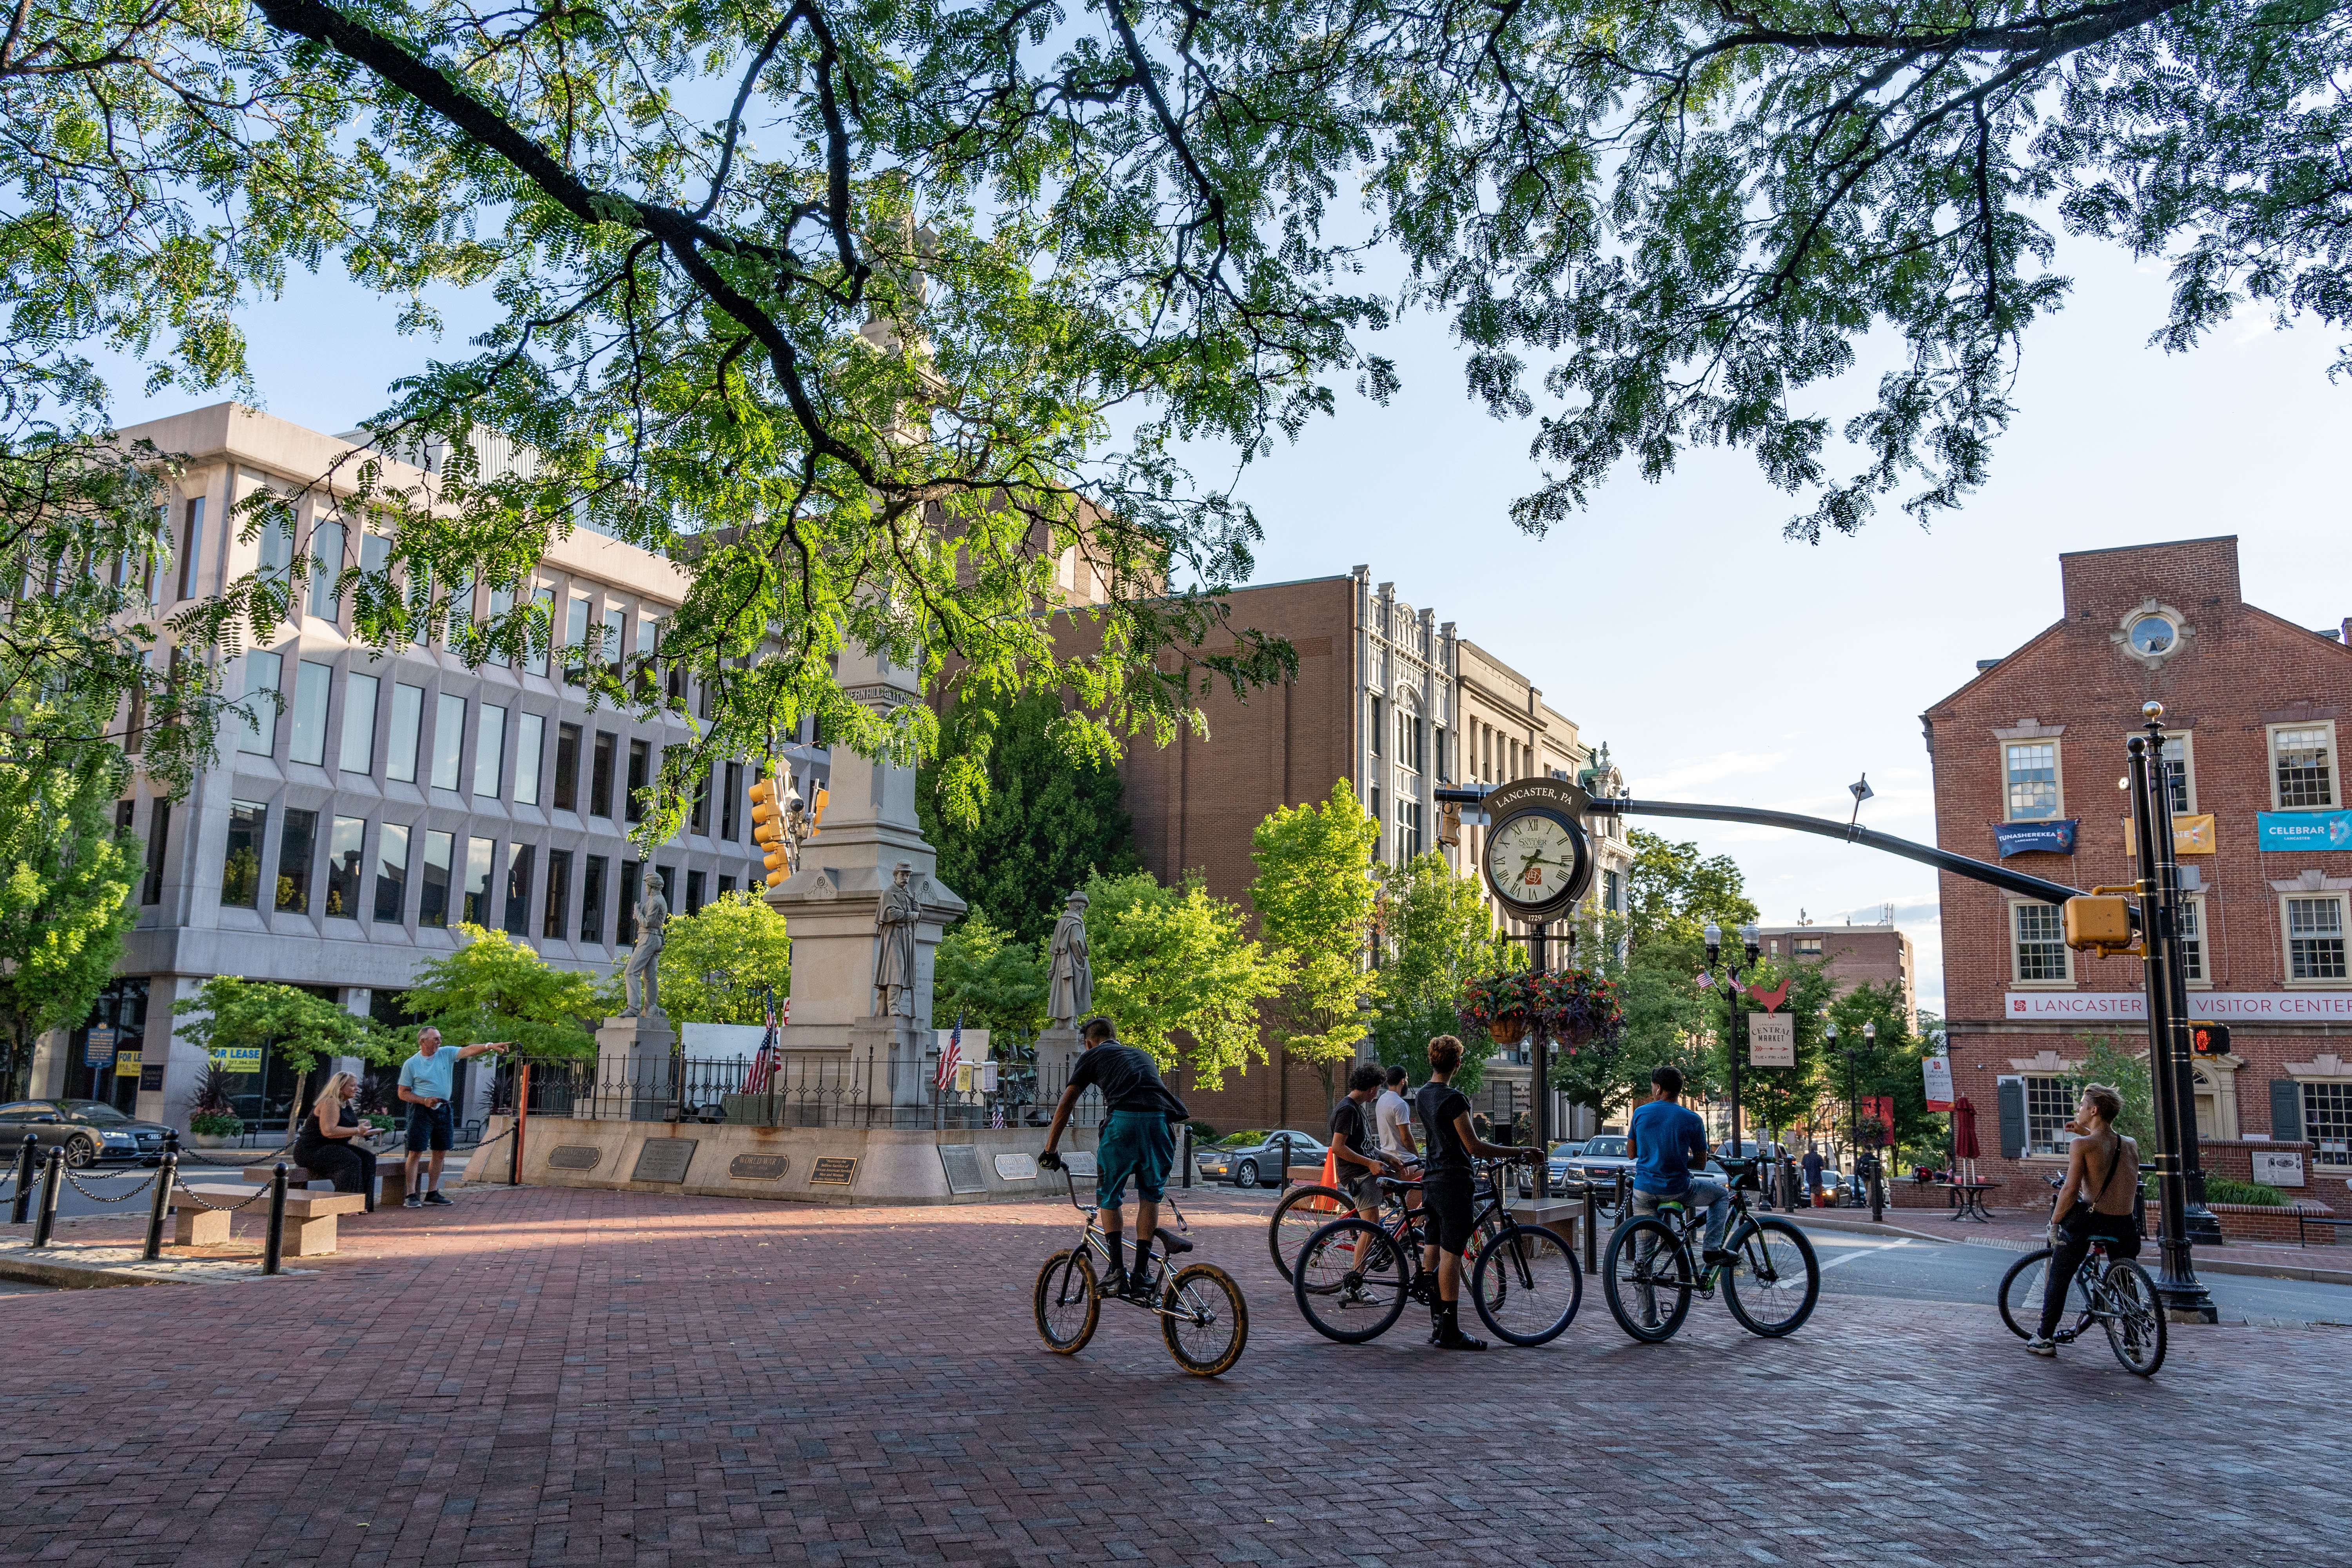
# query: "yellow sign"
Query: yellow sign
{"points": [[237, 1058], [126, 1064], [2190, 836]]}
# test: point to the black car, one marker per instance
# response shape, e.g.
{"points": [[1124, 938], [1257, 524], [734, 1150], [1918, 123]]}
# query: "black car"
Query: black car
{"points": [[92, 1131]]}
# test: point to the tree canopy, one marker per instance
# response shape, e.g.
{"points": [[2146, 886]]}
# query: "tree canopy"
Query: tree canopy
{"points": [[985, 979], [736, 937], [1435, 933], [1673, 892], [66, 884], [1315, 895], [493, 987], [1179, 973]]}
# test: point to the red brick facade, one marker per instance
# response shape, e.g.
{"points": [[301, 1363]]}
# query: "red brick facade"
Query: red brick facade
{"points": [[2230, 676]]}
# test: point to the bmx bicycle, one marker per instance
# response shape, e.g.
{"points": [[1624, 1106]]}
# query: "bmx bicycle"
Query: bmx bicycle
{"points": [[2119, 1297], [1201, 1315], [1649, 1274]]}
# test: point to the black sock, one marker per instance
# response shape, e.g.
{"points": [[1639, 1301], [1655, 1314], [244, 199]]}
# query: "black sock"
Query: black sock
{"points": [[1117, 1245]]}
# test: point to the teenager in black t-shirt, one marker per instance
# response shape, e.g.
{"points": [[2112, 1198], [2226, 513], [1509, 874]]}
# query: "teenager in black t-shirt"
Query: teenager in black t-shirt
{"points": [[1135, 1141], [1448, 1145], [1362, 1162]]}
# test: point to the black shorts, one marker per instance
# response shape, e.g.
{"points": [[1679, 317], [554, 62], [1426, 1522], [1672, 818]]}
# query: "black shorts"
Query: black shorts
{"points": [[1448, 1211], [433, 1127]]}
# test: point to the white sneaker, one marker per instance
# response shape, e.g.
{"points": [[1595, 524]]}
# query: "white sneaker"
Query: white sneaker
{"points": [[2037, 1345]]}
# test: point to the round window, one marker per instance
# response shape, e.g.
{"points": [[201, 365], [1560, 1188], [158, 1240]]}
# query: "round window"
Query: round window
{"points": [[2152, 634]]}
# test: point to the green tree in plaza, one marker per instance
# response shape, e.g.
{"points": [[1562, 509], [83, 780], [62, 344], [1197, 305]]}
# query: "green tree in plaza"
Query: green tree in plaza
{"points": [[736, 937], [1673, 892], [1435, 933], [1315, 894], [1885, 1065], [66, 881], [1775, 1100], [989, 980], [301, 1029], [1668, 1020], [494, 987], [1049, 824], [2121, 1063], [1178, 973]]}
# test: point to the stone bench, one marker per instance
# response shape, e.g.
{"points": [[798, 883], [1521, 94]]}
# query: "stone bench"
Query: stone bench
{"points": [[309, 1217], [392, 1176]]}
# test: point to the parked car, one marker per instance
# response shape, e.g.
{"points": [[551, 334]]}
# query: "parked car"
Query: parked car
{"points": [[1254, 1159], [1600, 1159], [90, 1131], [1563, 1155]]}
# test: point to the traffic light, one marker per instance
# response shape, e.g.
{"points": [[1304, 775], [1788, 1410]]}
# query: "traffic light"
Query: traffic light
{"points": [[768, 828], [2210, 1039]]}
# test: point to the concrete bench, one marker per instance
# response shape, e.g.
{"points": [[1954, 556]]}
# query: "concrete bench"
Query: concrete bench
{"points": [[309, 1217], [391, 1174]]}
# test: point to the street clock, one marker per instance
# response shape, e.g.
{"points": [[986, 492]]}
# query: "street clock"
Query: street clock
{"points": [[1538, 859]]}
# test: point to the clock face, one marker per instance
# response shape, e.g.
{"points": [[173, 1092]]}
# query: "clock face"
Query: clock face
{"points": [[1531, 861]]}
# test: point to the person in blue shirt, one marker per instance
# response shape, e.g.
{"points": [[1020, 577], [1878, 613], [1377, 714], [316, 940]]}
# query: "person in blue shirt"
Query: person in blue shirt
{"points": [[425, 1079], [1667, 1143]]}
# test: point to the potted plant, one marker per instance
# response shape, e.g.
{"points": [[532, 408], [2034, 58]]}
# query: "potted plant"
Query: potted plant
{"points": [[1574, 1006], [1504, 1005], [213, 1121]]}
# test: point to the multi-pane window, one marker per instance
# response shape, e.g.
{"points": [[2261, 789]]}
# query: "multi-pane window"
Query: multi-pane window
{"points": [[297, 845], [1408, 738], [517, 920], [407, 718], [2327, 1120], [490, 748], [241, 865], [1408, 830], [2048, 1106], [326, 569], [2301, 770], [2192, 937], [433, 899], [344, 867], [2041, 941], [476, 907], [1612, 892], [2179, 778], [359, 723], [308, 741], [2314, 939], [2030, 774], [559, 894], [255, 719], [448, 741], [391, 872]]}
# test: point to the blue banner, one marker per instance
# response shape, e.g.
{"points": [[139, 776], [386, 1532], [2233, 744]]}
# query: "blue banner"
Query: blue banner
{"points": [[2055, 837], [2305, 830]]}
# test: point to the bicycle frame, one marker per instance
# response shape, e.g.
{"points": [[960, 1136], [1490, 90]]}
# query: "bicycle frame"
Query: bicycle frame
{"points": [[1094, 1239]]}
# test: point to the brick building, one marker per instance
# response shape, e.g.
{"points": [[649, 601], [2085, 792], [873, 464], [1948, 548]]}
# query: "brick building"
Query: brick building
{"points": [[1855, 955], [2030, 752]]}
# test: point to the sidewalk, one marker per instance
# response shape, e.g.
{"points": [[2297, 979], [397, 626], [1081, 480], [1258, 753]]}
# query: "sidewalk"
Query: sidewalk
{"points": [[2018, 1231]]}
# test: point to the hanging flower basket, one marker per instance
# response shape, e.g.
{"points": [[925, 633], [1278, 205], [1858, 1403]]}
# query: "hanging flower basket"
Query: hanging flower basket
{"points": [[1575, 1007], [1509, 1030]]}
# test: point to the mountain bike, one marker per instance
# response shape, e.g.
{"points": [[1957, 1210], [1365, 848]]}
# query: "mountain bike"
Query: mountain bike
{"points": [[1770, 1283], [1352, 1278], [2119, 1298], [1201, 1315]]}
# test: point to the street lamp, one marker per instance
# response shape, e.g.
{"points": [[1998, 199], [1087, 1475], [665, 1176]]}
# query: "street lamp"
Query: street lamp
{"points": [[1750, 938]]}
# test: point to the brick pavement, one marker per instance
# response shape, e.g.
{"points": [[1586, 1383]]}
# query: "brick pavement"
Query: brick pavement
{"points": [[551, 1377]]}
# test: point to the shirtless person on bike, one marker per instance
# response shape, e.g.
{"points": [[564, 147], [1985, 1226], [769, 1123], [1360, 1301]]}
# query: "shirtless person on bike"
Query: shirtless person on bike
{"points": [[1137, 1111], [1362, 1162], [1448, 1208]]}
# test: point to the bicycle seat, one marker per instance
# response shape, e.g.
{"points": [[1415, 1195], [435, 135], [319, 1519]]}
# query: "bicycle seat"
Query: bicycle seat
{"points": [[1170, 1243], [1667, 1203], [1398, 1185]]}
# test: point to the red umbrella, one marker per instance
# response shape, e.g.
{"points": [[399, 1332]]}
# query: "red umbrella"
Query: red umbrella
{"points": [[1964, 1129]]}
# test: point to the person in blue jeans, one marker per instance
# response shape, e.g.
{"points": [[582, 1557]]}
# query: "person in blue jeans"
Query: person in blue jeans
{"points": [[426, 1080], [1668, 1142], [1134, 1141]]}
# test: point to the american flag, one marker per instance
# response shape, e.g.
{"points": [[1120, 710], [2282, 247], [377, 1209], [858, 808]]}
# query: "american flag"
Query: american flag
{"points": [[950, 1054], [763, 1066]]}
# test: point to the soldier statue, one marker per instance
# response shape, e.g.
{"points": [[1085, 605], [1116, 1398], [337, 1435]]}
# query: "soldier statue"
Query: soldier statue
{"points": [[1070, 986], [641, 980], [893, 962]]}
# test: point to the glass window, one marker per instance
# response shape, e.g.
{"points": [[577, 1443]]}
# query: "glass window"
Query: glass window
{"points": [[531, 740], [479, 863], [448, 741], [241, 865], [433, 901], [576, 639], [559, 894], [159, 835], [2031, 770], [344, 867], [2041, 942], [460, 612], [2192, 937], [420, 606], [2327, 1121], [641, 754], [359, 722], [2151, 634], [699, 821], [376, 554], [391, 872], [518, 857], [297, 845], [191, 547], [731, 816], [543, 626], [1612, 894], [726, 886], [326, 567], [490, 748], [695, 882], [501, 605], [2048, 1106], [1408, 830], [2314, 939], [2300, 756], [275, 560], [407, 716], [592, 900], [1375, 727], [308, 741], [600, 775], [567, 767], [255, 719], [649, 641], [631, 872], [2179, 782], [616, 621]]}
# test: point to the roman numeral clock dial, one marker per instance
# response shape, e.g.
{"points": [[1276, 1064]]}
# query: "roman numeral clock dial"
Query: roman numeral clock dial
{"points": [[1538, 860]]}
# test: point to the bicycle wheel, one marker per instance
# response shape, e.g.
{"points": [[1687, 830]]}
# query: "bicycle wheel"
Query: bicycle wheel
{"points": [[1351, 1282], [1302, 1211], [1647, 1278], [1204, 1320], [2136, 1325], [1773, 1278], [1527, 1285], [2021, 1298], [1066, 1307]]}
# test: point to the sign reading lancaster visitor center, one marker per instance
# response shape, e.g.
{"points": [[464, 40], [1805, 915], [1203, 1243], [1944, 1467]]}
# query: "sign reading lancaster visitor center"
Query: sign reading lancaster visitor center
{"points": [[2209, 1006]]}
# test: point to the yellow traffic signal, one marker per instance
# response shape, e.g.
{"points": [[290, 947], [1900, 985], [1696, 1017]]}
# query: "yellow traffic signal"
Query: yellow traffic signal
{"points": [[775, 879], [768, 831], [764, 791], [817, 813], [774, 859], [764, 812]]}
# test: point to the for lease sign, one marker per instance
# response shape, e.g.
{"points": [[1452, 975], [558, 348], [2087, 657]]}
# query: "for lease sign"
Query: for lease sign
{"points": [[2213, 1006]]}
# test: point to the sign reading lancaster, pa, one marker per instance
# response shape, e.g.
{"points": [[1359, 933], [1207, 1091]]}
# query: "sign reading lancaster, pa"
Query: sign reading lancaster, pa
{"points": [[2212, 1006]]}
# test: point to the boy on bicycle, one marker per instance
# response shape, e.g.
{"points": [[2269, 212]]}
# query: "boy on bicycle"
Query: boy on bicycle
{"points": [[1666, 1138], [1362, 1162], [1448, 1207], [1138, 1110]]}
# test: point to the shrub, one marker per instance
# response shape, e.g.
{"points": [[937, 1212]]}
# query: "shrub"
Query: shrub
{"points": [[215, 1124], [2224, 1190]]}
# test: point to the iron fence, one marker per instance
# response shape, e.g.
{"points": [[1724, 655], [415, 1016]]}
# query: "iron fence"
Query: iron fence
{"points": [[804, 1089]]}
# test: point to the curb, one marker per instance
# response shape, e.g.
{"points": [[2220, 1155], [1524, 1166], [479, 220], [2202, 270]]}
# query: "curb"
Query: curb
{"points": [[2206, 1264], [77, 1275]]}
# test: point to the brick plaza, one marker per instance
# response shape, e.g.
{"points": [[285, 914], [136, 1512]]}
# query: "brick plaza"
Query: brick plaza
{"points": [[565, 1377]]}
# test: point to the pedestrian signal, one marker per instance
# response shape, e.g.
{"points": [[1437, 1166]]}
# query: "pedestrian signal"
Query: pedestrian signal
{"points": [[2210, 1039]]}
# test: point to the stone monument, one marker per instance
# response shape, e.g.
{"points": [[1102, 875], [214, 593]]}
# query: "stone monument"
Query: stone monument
{"points": [[1069, 998], [866, 911]]}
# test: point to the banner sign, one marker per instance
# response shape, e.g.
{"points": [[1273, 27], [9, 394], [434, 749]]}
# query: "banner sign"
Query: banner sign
{"points": [[2204, 1007], [1772, 1039], [99, 1049], [2308, 831], [2190, 836], [2055, 837], [237, 1058], [1939, 1070], [1880, 1108], [126, 1064]]}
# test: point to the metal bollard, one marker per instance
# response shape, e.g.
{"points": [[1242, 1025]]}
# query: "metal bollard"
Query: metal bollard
{"points": [[1591, 1232], [274, 1244], [166, 1174], [22, 1207], [52, 1183], [1284, 1185], [1187, 1156]]}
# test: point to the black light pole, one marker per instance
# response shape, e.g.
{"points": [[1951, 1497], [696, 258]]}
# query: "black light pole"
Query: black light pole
{"points": [[1749, 938]]}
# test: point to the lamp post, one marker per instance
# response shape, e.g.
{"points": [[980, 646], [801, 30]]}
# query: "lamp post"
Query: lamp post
{"points": [[1750, 939]]}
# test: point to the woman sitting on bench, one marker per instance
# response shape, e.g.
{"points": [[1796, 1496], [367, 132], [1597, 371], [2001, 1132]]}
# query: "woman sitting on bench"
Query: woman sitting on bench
{"points": [[329, 1145]]}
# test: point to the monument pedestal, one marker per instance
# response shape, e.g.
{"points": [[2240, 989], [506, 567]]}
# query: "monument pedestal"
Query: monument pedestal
{"points": [[901, 1066], [1059, 1045], [633, 1065]]}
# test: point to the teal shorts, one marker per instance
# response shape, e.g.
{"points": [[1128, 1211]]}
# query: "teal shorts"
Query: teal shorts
{"points": [[1133, 1143]]}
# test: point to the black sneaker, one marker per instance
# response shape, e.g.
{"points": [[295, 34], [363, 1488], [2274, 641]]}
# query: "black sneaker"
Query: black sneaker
{"points": [[1114, 1285], [412, 1202], [1139, 1284], [1454, 1339], [435, 1200]]}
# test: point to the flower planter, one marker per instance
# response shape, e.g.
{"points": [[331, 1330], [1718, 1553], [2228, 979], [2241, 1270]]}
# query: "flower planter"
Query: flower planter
{"points": [[1510, 1031], [214, 1139]]}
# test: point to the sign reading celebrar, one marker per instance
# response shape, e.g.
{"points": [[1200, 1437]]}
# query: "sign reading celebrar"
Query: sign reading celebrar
{"points": [[2224, 1006], [2309, 831]]}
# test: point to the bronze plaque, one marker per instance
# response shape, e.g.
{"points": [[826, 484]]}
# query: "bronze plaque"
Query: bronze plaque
{"points": [[574, 1157], [961, 1162], [663, 1160], [758, 1167], [834, 1171]]}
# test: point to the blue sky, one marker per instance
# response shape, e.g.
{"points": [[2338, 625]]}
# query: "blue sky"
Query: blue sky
{"points": [[1671, 620]]}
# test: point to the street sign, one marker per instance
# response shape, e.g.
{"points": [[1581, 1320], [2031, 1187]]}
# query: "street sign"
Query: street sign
{"points": [[1938, 1071], [98, 1049], [1772, 1039]]}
